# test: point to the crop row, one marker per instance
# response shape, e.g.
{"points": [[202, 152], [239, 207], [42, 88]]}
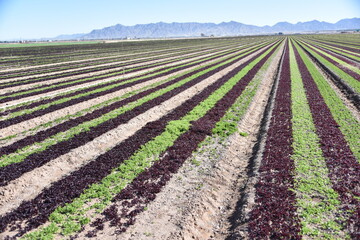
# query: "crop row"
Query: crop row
{"points": [[96, 48], [219, 51], [341, 46], [346, 54], [50, 54], [312, 181], [275, 205], [94, 68], [66, 66], [341, 40], [121, 57], [89, 109], [345, 119], [73, 82], [89, 90]]}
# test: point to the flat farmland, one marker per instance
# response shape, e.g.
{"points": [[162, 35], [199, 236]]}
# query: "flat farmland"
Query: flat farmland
{"points": [[212, 138]]}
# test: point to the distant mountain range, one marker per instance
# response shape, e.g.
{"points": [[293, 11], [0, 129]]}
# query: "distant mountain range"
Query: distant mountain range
{"points": [[193, 29]]}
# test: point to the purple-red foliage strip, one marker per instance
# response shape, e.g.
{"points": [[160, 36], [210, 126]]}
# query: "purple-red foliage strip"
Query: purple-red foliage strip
{"points": [[274, 214]]}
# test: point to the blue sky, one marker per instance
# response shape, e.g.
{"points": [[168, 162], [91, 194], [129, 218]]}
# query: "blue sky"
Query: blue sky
{"points": [[48, 18]]}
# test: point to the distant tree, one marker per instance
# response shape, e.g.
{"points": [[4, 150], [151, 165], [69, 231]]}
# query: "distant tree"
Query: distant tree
{"points": [[202, 35]]}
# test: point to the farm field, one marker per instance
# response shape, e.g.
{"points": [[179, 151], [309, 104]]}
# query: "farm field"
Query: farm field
{"points": [[216, 138]]}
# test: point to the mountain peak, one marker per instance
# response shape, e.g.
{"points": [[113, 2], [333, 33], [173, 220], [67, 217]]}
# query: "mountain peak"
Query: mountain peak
{"points": [[282, 23]]}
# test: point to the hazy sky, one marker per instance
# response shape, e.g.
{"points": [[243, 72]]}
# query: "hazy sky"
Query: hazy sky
{"points": [[48, 18]]}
